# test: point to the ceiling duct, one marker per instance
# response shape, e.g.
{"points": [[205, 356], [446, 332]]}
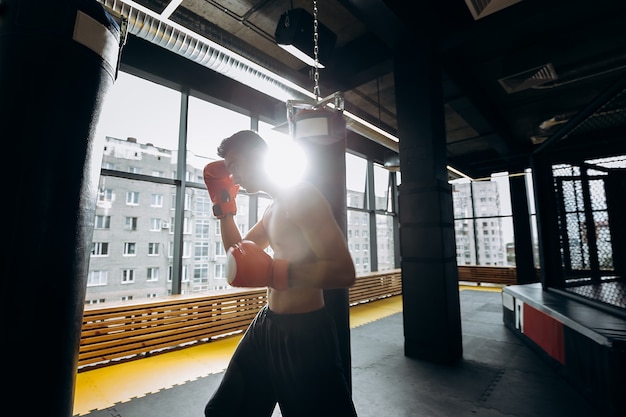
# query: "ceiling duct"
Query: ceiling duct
{"points": [[529, 78], [149, 26], [156, 29]]}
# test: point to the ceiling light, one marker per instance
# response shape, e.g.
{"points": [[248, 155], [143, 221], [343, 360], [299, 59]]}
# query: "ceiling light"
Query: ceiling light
{"points": [[483, 8], [538, 139], [550, 123], [294, 33], [167, 12]]}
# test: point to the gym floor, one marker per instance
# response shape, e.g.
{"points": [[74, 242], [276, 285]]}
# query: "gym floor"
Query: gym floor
{"points": [[498, 376]]}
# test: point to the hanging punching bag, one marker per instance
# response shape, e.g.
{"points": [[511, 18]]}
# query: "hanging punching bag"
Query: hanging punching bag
{"points": [[58, 59], [322, 135]]}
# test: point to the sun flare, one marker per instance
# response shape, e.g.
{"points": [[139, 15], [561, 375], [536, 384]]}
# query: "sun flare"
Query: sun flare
{"points": [[286, 163]]}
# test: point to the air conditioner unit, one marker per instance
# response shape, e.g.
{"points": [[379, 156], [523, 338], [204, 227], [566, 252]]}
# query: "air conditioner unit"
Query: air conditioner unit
{"points": [[165, 225]]}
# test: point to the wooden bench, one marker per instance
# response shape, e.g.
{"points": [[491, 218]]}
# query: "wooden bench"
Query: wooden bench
{"points": [[375, 286], [127, 330], [133, 330], [504, 275]]}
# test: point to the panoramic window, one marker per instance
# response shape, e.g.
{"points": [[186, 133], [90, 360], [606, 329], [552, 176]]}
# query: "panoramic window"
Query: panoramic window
{"points": [[150, 202], [483, 221], [355, 180]]}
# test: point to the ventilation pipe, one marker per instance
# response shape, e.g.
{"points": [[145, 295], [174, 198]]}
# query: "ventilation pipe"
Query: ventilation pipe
{"points": [[150, 26]]}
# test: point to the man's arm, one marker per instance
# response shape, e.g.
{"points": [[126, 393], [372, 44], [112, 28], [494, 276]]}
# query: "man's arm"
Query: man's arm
{"points": [[231, 234], [230, 231], [258, 235], [331, 265]]}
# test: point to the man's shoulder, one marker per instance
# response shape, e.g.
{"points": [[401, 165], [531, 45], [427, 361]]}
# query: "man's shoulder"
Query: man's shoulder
{"points": [[305, 200], [305, 190]]}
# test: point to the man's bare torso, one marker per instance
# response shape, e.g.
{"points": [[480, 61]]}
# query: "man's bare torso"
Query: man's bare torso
{"points": [[288, 242]]}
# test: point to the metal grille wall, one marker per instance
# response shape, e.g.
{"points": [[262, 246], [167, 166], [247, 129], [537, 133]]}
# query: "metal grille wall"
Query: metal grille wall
{"points": [[591, 242]]}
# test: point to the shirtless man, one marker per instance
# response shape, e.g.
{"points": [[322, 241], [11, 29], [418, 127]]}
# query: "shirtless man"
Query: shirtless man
{"points": [[289, 355]]}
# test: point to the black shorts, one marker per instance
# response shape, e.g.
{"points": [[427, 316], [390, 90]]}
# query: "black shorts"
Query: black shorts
{"points": [[289, 359]]}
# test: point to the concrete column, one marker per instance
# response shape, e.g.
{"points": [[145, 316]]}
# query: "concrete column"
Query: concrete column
{"points": [[432, 322], [57, 61]]}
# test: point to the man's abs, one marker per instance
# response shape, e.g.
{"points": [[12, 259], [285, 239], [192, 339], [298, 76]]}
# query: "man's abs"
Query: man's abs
{"points": [[295, 300]]}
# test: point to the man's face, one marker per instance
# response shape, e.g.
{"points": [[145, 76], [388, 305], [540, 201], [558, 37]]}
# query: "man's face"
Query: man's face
{"points": [[244, 168]]}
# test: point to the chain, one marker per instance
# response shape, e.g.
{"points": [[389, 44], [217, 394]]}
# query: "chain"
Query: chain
{"points": [[316, 76]]}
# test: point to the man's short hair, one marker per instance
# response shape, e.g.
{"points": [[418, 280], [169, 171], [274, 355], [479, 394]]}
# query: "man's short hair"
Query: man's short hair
{"points": [[242, 140]]}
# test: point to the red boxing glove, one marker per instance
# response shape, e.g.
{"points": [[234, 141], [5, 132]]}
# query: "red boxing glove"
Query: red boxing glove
{"points": [[249, 266], [222, 189]]}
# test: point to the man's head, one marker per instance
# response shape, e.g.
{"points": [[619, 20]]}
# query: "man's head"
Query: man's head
{"points": [[245, 154]]}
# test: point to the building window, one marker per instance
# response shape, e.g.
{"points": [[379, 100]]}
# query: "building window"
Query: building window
{"points": [[200, 273], [105, 194], [185, 274], [187, 226], [100, 248], [153, 274], [187, 246], [156, 200], [132, 198], [126, 297], [219, 249], [204, 207], [202, 229], [201, 251], [219, 271], [97, 278], [128, 276], [130, 248], [130, 223], [155, 224], [218, 228], [153, 248], [103, 222]]}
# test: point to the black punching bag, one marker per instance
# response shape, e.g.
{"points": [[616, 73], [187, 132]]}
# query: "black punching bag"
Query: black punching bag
{"points": [[322, 135], [57, 61]]}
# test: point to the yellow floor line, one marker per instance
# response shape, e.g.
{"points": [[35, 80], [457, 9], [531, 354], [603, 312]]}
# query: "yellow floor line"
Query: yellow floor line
{"points": [[100, 388], [365, 313], [103, 387], [492, 288]]}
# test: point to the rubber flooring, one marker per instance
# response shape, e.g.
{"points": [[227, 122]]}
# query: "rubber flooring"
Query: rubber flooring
{"points": [[498, 376]]}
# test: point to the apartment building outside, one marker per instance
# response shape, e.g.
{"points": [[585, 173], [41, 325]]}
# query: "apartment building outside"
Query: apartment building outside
{"points": [[133, 240], [478, 225]]}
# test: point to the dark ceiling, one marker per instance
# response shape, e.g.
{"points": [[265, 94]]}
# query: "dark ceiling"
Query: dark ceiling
{"points": [[516, 74]]}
